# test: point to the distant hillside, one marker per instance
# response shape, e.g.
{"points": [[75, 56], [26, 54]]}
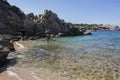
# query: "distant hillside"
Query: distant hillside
{"points": [[98, 26]]}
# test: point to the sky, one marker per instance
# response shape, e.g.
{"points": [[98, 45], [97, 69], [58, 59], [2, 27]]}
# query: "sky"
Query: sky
{"points": [[75, 11]]}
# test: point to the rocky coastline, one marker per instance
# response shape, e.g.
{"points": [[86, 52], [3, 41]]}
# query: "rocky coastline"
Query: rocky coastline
{"points": [[17, 26], [96, 27]]}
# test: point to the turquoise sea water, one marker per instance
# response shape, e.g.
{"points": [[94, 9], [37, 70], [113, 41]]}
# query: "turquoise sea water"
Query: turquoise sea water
{"points": [[105, 42], [79, 56]]}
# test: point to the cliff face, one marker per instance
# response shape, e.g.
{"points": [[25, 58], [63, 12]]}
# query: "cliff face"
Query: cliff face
{"points": [[14, 25], [14, 22], [48, 23], [11, 19], [11, 22]]}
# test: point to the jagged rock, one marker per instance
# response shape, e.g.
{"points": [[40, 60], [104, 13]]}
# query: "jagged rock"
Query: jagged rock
{"points": [[11, 18], [5, 48], [49, 23], [14, 22]]}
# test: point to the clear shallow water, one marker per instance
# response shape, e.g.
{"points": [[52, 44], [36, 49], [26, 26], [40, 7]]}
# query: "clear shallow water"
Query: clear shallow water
{"points": [[105, 42], [80, 56]]}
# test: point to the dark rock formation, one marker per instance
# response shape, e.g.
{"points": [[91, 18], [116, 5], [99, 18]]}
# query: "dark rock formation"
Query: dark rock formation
{"points": [[14, 22], [11, 24], [11, 19], [49, 23], [15, 25], [5, 48]]}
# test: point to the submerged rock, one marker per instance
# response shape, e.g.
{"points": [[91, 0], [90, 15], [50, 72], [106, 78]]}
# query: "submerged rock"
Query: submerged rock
{"points": [[36, 54]]}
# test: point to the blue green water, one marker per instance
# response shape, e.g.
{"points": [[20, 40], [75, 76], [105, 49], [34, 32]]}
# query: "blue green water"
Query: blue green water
{"points": [[105, 42], [98, 54]]}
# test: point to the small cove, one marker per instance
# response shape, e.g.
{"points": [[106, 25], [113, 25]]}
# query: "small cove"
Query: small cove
{"points": [[105, 42], [91, 57]]}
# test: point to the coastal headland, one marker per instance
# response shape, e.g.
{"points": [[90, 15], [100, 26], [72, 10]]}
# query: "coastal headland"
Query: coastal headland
{"points": [[22, 59]]}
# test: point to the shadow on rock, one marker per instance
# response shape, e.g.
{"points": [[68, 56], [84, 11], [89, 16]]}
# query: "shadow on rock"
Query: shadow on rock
{"points": [[8, 63], [5, 48]]}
